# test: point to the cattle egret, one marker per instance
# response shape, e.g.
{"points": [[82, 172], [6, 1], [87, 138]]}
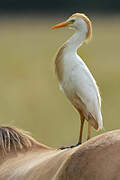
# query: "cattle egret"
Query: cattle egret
{"points": [[74, 77]]}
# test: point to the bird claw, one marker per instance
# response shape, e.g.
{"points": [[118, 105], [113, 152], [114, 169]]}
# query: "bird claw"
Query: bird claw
{"points": [[68, 147]]}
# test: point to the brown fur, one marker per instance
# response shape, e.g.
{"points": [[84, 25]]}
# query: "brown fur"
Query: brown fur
{"points": [[15, 140], [95, 159], [86, 19]]}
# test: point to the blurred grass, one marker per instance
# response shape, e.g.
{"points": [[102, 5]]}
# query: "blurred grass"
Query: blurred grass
{"points": [[29, 95]]}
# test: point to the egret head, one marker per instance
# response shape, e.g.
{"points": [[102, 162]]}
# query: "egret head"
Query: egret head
{"points": [[78, 21]]}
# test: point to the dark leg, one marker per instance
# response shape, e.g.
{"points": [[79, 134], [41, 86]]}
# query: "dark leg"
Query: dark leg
{"points": [[81, 129], [89, 130], [80, 138]]}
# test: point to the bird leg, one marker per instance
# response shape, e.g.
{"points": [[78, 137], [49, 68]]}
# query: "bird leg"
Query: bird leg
{"points": [[89, 131], [81, 129], [80, 138]]}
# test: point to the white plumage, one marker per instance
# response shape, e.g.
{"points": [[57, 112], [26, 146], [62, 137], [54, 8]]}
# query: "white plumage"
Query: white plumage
{"points": [[78, 79], [74, 77]]}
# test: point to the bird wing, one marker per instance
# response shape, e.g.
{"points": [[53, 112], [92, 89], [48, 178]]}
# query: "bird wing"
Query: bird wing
{"points": [[86, 88]]}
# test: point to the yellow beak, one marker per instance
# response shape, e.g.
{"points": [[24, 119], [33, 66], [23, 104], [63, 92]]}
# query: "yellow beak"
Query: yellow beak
{"points": [[60, 25]]}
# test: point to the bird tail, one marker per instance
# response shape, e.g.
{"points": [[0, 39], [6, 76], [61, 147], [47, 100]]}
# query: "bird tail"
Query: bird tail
{"points": [[96, 123], [93, 123], [100, 121]]}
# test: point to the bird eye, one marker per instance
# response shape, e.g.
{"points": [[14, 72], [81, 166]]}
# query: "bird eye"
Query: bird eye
{"points": [[72, 20]]}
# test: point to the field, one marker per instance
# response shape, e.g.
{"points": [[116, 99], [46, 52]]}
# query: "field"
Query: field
{"points": [[29, 95]]}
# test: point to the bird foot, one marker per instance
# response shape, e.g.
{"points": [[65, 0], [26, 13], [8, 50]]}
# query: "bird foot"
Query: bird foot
{"points": [[67, 147]]}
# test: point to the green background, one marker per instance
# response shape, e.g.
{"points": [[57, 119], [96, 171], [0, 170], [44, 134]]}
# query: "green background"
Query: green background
{"points": [[29, 95]]}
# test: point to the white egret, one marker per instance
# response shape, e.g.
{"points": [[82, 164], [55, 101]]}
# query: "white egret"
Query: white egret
{"points": [[74, 77]]}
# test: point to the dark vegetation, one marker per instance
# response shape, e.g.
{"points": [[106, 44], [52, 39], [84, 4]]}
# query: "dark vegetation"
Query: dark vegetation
{"points": [[61, 5]]}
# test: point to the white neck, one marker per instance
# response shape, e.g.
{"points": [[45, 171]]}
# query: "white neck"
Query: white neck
{"points": [[76, 40]]}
